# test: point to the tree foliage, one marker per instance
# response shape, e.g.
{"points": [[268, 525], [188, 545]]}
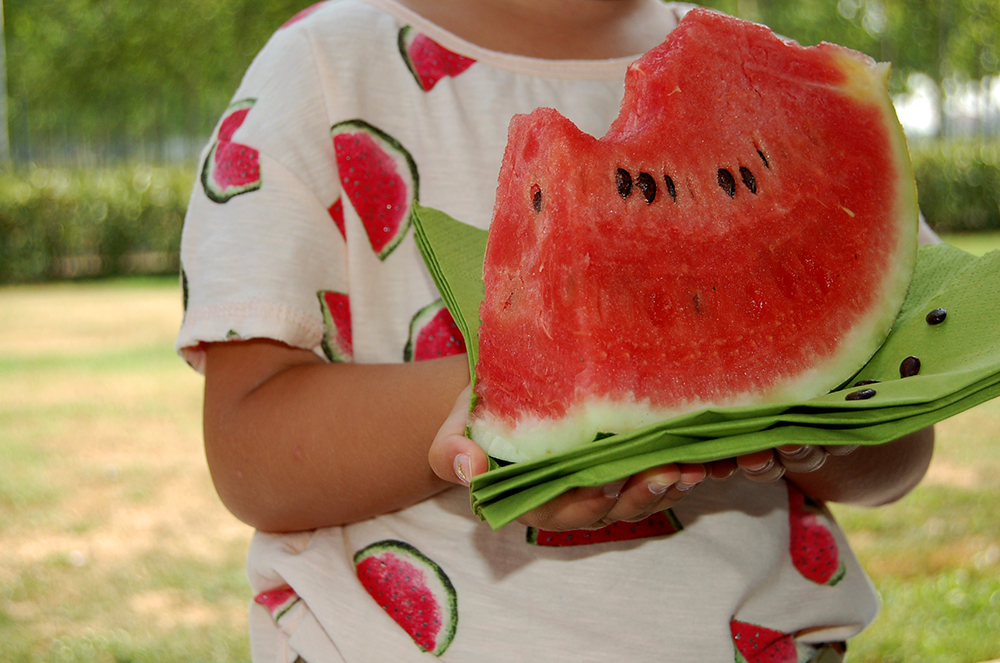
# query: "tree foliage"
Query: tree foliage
{"points": [[139, 71]]}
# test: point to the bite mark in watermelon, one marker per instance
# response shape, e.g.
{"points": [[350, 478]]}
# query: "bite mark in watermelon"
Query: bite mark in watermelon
{"points": [[379, 179], [337, 341], [813, 547], [336, 212], [744, 233], [433, 334], [757, 644], [659, 524], [278, 601], [413, 590], [231, 168], [428, 60]]}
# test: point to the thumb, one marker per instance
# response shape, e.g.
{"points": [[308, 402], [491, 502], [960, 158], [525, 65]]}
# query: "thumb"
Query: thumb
{"points": [[454, 457]]}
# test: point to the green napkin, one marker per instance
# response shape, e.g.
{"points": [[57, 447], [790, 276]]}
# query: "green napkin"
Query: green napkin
{"points": [[959, 368]]}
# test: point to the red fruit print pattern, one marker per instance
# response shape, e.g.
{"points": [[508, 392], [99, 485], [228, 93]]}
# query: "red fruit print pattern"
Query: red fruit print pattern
{"points": [[658, 524], [302, 14], [433, 334], [337, 341], [813, 547], [756, 644], [428, 60], [413, 590], [231, 168], [278, 601], [379, 179], [336, 211]]}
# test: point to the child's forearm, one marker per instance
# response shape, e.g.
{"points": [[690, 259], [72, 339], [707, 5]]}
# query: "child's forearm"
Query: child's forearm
{"points": [[294, 443], [871, 475]]}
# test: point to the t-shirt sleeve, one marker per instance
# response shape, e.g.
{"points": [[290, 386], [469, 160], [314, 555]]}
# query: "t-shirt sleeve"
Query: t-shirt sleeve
{"points": [[263, 238]]}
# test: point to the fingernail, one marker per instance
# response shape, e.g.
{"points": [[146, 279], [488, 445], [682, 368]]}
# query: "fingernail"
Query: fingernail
{"points": [[463, 468], [683, 486], [614, 489], [795, 452], [761, 469], [658, 487]]}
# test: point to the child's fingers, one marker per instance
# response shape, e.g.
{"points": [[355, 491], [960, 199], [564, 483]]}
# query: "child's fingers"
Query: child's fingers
{"points": [[452, 456], [802, 457], [761, 466], [656, 490]]}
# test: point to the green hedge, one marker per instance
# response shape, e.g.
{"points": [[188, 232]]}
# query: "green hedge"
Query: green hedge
{"points": [[66, 223], [958, 183]]}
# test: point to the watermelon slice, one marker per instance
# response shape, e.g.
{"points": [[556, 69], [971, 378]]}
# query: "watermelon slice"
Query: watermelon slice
{"points": [[231, 168], [379, 178], [743, 234], [813, 547], [278, 601], [658, 524], [433, 334], [756, 644], [337, 341], [428, 60], [413, 590]]}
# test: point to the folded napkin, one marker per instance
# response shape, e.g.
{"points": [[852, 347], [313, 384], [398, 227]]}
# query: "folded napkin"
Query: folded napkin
{"points": [[959, 368]]}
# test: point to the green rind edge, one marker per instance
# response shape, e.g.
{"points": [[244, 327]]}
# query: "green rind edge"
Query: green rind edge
{"points": [[410, 552], [215, 194]]}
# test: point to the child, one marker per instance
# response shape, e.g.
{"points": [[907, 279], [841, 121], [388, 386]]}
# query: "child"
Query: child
{"points": [[345, 457]]}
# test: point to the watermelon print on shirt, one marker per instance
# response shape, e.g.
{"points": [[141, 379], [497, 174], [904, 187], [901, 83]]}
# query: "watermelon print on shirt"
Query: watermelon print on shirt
{"points": [[379, 179], [413, 590], [433, 334], [428, 60], [338, 342], [231, 168]]}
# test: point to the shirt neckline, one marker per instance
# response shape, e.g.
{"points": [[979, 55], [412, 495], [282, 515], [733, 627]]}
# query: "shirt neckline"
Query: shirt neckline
{"points": [[610, 69]]}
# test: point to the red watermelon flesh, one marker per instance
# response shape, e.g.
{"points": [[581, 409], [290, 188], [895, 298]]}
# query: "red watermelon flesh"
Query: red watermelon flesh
{"points": [[744, 233], [413, 590], [812, 545], [433, 334], [336, 212], [278, 601], [756, 644], [428, 60], [379, 179]]}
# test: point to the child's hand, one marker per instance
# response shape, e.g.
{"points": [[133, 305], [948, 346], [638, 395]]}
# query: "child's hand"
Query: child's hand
{"points": [[771, 464], [457, 459]]}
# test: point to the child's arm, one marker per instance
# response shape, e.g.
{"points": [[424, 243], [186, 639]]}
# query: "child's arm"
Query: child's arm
{"points": [[294, 443]]}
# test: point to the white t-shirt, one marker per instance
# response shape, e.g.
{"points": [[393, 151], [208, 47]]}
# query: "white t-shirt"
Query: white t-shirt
{"points": [[280, 243]]}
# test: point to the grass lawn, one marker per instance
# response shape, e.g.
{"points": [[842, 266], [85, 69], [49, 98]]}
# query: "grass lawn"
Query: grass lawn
{"points": [[115, 547]]}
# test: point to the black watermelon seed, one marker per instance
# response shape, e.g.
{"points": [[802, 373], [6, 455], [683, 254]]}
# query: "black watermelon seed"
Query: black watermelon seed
{"points": [[764, 159], [748, 179], [860, 395], [861, 383], [536, 198], [624, 181], [648, 187], [909, 367], [671, 189], [727, 182], [936, 316]]}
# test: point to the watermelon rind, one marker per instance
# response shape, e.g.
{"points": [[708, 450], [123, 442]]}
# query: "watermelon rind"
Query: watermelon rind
{"points": [[406, 168], [434, 576], [444, 63]]}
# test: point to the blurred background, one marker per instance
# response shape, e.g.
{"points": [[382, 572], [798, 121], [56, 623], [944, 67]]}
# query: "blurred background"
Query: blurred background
{"points": [[113, 545]]}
